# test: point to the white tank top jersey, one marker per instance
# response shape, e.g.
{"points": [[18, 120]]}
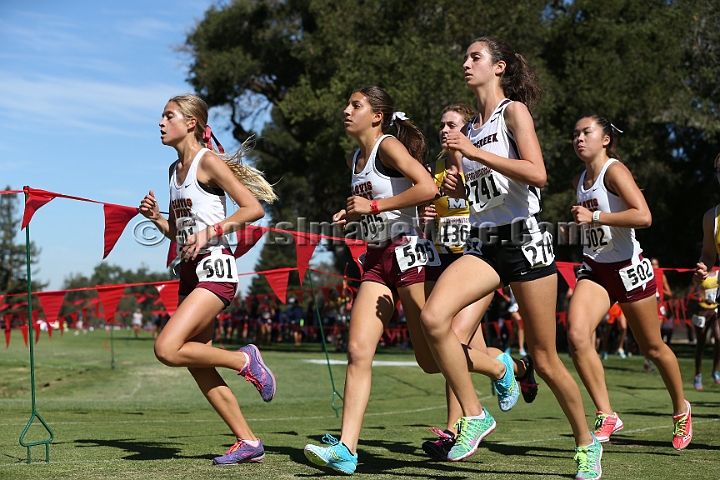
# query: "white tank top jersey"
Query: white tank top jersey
{"points": [[196, 206], [374, 182], [605, 244], [494, 198]]}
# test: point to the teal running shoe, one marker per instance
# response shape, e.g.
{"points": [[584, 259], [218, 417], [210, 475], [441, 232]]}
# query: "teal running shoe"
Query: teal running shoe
{"points": [[588, 461], [716, 376], [507, 387], [471, 432], [336, 456]]}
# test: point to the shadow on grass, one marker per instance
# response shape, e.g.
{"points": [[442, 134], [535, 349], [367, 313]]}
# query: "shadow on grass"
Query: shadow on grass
{"points": [[140, 450], [372, 463], [664, 446]]}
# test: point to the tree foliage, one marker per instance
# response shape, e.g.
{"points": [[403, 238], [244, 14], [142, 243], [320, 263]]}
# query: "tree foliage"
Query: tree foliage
{"points": [[13, 257], [106, 274], [651, 67]]}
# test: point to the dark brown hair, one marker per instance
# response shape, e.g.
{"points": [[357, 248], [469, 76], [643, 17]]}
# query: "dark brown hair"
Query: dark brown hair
{"points": [[609, 130], [408, 134], [519, 81]]}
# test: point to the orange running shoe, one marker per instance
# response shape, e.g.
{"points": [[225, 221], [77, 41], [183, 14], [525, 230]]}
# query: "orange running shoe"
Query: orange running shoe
{"points": [[682, 434], [606, 425]]}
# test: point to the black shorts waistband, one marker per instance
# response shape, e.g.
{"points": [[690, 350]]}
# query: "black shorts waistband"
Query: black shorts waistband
{"points": [[513, 233]]}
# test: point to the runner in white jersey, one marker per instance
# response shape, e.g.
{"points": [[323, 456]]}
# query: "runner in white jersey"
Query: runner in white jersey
{"points": [[451, 218], [208, 272], [388, 182], [610, 206], [503, 168]]}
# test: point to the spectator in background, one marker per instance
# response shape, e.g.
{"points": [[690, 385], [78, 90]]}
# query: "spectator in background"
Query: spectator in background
{"points": [[295, 320], [137, 320]]}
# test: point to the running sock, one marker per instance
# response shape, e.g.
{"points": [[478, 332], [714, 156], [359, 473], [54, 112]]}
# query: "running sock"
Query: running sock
{"points": [[247, 360], [478, 417], [252, 443]]}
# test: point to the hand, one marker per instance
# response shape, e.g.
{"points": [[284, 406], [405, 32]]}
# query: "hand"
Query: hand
{"points": [[459, 142], [194, 243], [452, 185], [427, 213], [149, 207], [341, 219], [581, 214], [701, 272], [357, 206]]}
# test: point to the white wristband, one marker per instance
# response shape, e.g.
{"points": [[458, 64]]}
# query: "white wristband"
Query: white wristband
{"points": [[596, 217]]}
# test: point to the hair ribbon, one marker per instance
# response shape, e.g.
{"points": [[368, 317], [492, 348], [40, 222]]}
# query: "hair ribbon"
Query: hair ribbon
{"points": [[208, 137]]}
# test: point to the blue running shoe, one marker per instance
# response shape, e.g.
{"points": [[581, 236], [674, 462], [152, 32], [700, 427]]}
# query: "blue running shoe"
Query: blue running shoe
{"points": [[241, 452], [256, 372], [507, 387], [471, 432], [588, 460], [716, 376], [336, 456]]}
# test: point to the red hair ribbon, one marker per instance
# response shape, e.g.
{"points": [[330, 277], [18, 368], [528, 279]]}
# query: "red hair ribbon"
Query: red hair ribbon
{"points": [[208, 137]]}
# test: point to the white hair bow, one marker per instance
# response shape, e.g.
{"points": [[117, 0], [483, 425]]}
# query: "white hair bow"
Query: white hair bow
{"points": [[397, 116]]}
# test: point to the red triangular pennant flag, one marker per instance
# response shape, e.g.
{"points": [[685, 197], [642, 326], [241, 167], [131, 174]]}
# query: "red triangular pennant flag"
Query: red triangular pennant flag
{"points": [[278, 281], [24, 331], [36, 325], [305, 244], [35, 200], [110, 297], [567, 270], [51, 302], [116, 218], [172, 252], [357, 248], [169, 295], [247, 238]]}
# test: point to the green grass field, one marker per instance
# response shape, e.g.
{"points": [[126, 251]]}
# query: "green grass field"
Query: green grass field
{"points": [[145, 420]]}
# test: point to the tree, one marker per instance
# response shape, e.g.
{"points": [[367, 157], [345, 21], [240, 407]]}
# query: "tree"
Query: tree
{"points": [[646, 66], [106, 274], [651, 67], [13, 257]]}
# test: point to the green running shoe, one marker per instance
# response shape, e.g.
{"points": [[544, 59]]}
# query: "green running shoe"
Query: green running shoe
{"points": [[588, 460], [336, 456], [471, 432]]}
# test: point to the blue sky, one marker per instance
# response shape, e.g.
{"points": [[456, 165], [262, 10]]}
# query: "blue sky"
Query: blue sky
{"points": [[83, 85]]}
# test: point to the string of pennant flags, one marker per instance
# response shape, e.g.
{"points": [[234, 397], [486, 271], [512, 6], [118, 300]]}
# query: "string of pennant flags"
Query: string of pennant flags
{"points": [[118, 216]]}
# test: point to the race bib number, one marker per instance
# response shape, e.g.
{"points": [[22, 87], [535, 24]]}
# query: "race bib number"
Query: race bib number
{"points": [[417, 252], [218, 267], [454, 231], [539, 251], [710, 295], [698, 321], [374, 227], [637, 275], [484, 192], [185, 227], [598, 239]]}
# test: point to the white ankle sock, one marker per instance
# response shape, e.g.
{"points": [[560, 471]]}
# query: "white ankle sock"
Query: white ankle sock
{"points": [[252, 443], [478, 417]]}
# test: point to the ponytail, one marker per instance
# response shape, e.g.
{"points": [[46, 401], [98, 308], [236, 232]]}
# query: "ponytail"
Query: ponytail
{"points": [[407, 133], [252, 178], [519, 81]]}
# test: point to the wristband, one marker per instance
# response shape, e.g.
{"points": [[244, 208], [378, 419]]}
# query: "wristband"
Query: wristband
{"points": [[374, 207], [596, 217], [218, 229]]}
